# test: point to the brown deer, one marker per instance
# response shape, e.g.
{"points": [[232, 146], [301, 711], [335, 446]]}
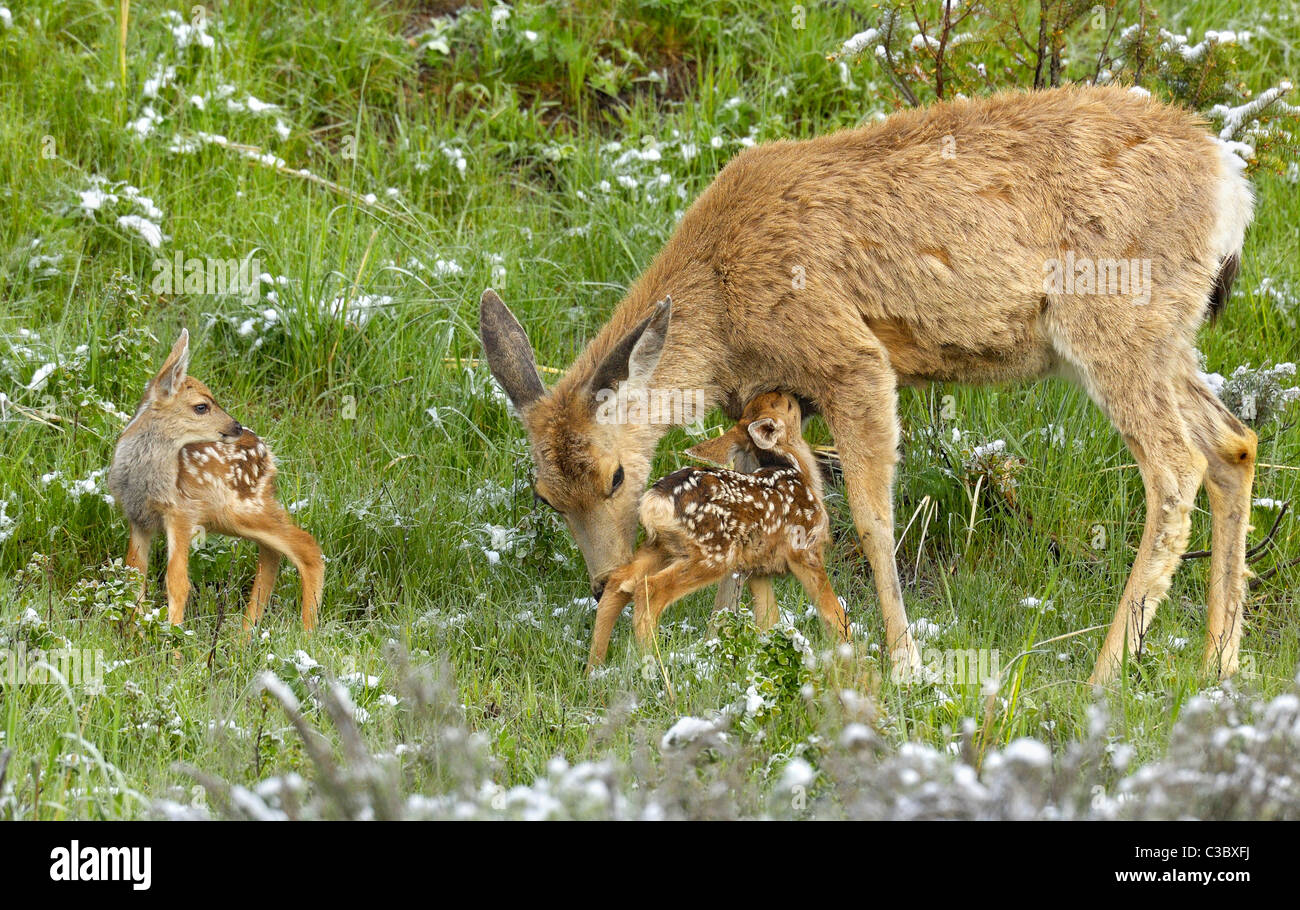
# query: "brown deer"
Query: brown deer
{"points": [[927, 247], [183, 464], [704, 524]]}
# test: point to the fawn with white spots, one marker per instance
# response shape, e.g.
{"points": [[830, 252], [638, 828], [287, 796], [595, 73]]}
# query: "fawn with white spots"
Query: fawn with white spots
{"points": [[703, 524], [183, 463]]}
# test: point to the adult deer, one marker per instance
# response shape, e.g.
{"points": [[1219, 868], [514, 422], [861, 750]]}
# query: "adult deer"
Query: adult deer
{"points": [[928, 247]]}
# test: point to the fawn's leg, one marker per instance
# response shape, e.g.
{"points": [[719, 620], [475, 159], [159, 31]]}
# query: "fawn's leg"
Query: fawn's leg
{"points": [[618, 591], [765, 611], [863, 417], [654, 593], [179, 530], [276, 530], [1229, 449], [137, 557], [813, 577], [268, 567]]}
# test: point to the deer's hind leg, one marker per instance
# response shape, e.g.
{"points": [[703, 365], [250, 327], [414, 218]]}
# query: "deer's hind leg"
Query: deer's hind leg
{"points": [[1143, 392], [268, 567], [275, 529], [817, 584], [1229, 449]]}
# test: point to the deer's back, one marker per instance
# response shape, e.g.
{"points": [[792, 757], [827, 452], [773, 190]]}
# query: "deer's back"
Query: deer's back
{"points": [[932, 228]]}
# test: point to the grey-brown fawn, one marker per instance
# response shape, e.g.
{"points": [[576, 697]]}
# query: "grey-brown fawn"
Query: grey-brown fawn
{"points": [[183, 464]]}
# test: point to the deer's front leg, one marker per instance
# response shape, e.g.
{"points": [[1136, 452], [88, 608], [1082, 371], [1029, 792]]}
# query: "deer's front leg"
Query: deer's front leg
{"points": [[179, 530], [865, 423], [137, 557]]}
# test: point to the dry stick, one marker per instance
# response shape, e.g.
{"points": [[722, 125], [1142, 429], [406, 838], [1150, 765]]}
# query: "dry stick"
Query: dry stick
{"points": [[256, 154], [1260, 464], [1105, 45], [1253, 551], [474, 362], [663, 671], [1048, 641], [32, 414], [930, 513], [901, 537]]}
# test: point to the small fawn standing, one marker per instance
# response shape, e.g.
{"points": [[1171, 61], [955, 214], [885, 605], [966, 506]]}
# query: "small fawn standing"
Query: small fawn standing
{"points": [[184, 463], [703, 523]]}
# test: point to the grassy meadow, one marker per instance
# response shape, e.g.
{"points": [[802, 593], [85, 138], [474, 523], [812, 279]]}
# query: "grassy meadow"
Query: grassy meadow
{"points": [[383, 163]]}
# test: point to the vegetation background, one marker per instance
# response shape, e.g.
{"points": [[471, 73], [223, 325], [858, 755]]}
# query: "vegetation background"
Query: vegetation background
{"points": [[383, 163]]}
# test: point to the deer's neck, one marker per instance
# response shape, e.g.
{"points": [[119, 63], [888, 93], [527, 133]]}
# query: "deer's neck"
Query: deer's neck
{"points": [[142, 477], [807, 464]]}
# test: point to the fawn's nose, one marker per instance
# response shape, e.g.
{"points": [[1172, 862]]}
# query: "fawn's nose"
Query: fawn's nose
{"points": [[235, 429], [598, 588]]}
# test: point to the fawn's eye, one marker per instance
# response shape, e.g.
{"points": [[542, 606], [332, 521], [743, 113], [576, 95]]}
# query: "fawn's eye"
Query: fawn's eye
{"points": [[200, 409], [617, 482]]}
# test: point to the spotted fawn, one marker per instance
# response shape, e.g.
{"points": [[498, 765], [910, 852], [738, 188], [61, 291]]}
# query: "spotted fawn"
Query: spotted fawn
{"points": [[705, 523], [182, 464]]}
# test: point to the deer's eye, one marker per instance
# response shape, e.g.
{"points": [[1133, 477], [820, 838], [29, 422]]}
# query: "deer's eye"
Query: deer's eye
{"points": [[617, 482], [200, 409]]}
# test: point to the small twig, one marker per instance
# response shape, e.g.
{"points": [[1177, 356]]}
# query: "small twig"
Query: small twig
{"points": [[1260, 579], [1105, 45], [221, 615], [1048, 641], [33, 414], [974, 502]]}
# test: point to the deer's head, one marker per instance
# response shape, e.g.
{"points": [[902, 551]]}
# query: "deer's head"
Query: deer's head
{"points": [[180, 409], [590, 469]]}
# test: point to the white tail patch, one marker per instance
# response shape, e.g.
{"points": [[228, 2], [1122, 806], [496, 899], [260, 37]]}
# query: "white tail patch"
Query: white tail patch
{"points": [[1234, 205]]}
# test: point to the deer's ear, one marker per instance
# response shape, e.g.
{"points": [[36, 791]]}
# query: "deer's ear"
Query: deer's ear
{"points": [[766, 431], [637, 353], [174, 369], [509, 355]]}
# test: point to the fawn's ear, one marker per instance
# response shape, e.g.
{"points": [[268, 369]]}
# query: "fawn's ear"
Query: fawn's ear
{"points": [[637, 353], [509, 355], [766, 431], [168, 381], [720, 450]]}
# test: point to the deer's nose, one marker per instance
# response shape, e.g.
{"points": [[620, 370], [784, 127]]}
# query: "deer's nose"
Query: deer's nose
{"points": [[598, 588], [235, 429]]}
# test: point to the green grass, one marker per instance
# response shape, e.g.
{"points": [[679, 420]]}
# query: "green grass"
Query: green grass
{"points": [[389, 489]]}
